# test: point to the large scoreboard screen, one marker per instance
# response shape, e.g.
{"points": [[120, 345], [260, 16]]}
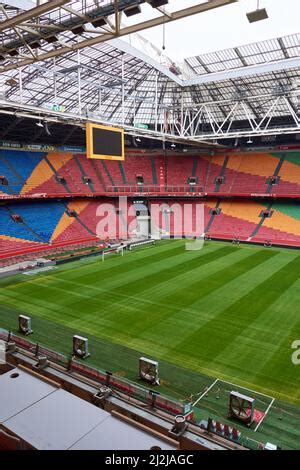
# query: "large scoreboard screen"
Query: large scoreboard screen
{"points": [[104, 142]]}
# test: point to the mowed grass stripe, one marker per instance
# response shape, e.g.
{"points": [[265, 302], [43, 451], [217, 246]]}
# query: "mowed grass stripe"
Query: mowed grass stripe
{"points": [[269, 339], [136, 285], [167, 288], [147, 273], [199, 289], [96, 276], [217, 334], [153, 297], [115, 264], [203, 309], [130, 313], [75, 304], [137, 326], [280, 358], [40, 295], [195, 259]]}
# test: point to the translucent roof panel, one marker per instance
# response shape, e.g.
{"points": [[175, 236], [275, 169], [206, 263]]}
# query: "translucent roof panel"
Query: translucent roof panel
{"points": [[252, 54], [122, 85]]}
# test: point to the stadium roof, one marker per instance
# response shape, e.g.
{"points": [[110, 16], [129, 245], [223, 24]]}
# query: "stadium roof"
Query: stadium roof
{"points": [[245, 89], [263, 52], [52, 28]]}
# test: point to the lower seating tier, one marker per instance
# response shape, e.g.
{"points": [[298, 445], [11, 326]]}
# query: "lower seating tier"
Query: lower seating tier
{"points": [[30, 225]]}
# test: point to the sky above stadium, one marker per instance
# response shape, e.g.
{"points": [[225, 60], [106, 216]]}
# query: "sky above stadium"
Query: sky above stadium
{"points": [[221, 28]]}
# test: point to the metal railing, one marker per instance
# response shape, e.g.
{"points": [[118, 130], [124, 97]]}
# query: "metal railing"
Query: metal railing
{"points": [[156, 189], [121, 385]]}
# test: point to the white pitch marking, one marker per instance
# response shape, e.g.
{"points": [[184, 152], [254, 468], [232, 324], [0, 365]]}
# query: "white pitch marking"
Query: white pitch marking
{"points": [[248, 389], [267, 411], [206, 391]]}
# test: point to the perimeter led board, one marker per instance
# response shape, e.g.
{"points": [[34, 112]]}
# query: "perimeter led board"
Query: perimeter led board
{"points": [[104, 142]]}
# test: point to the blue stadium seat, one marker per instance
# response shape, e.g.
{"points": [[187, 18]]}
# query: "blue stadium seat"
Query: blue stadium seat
{"points": [[41, 217], [13, 229], [17, 166], [39, 220]]}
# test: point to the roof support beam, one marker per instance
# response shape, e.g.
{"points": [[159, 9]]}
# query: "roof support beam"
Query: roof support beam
{"points": [[249, 71], [21, 4], [124, 31], [236, 50], [32, 13], [128, 49], [37, 113], [283, 48], [18, 34]]}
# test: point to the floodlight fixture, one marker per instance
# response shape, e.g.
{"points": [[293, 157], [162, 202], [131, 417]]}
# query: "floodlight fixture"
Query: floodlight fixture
{"points": [[257, 15], [131, 11], [158, 3]]}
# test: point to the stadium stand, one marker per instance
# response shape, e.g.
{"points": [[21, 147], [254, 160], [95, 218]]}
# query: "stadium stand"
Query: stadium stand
{"points": [[16, 166], [52, 222], [237, 219], [8, 243], [179, 170], [69, 227], [234, 174], [241, 219], [25, 224]]}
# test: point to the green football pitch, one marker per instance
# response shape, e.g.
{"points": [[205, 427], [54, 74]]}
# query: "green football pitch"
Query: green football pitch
{"points": [[215, 317]]}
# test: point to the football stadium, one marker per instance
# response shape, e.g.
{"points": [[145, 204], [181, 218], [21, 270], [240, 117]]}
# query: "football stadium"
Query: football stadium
{"points": [[149, 226]]}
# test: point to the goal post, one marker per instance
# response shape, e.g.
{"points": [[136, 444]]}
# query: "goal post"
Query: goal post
{"points": [[115, 251], [129, 246], [141, 243], [120, 251]]}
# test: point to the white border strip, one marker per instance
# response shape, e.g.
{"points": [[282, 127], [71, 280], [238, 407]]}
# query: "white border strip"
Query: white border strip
{"points": [[204, 393], [267, 411], [248, 389]]}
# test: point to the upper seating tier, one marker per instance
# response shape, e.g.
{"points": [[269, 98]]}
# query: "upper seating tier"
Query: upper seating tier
{"points": [[63, 174]]}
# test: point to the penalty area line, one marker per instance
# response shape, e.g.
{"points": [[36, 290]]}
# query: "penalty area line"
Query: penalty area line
{"points": [[248, 389], [267, 411], [204, 393]]}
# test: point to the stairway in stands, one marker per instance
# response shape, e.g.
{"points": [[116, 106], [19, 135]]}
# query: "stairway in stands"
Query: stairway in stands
{"points": [[23, 223], [107, 173], [194, 173], [80, 220], [153, 170], [212, 217], [276, 173], [98, 174], [260, 224], [18, 181], [221, 174], [84, 174], [64, 183], [122, 171]]}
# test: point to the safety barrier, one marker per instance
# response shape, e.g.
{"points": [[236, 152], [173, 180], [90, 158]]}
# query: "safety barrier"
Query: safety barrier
{"points": [[102, 377]]}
